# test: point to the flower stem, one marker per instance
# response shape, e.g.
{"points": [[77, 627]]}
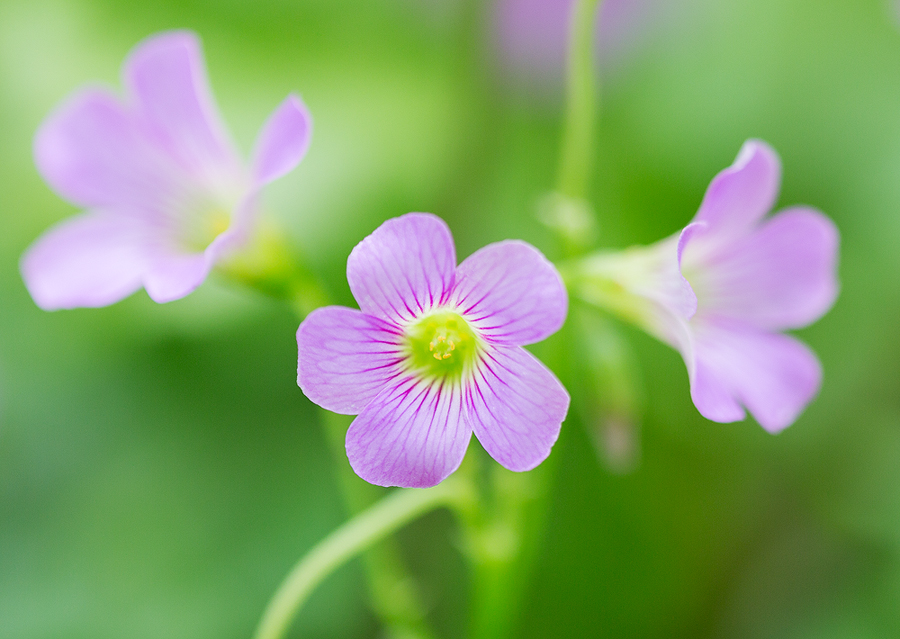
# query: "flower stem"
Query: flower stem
{"points": [[393, 593], [502, 534], [272, 267], [379, 521], [581, 98]]}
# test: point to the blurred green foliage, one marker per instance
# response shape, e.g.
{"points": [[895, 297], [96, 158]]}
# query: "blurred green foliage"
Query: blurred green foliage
{"points": [[160, 470]]}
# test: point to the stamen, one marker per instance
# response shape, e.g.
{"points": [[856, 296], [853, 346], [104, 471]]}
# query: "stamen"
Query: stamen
{"points": [[451, 344]]}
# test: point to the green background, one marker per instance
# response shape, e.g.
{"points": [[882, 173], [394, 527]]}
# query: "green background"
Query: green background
{"points": [[160, 471]]}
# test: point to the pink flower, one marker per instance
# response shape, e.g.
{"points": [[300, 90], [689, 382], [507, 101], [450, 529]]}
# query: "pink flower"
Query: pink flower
{"points": [[165, 192], [723, 291], [531, 36], [435, 353]]}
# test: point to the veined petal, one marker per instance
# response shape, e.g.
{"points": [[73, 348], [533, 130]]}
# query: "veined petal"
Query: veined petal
{"points": [[346, 358], [94, 153], [412, 435], [91, 260], [775, 376], [172, 275], [783, 275], [511, 293], [516, 407], [742, 194], [404, 268], [283, 140], [167, 76]]}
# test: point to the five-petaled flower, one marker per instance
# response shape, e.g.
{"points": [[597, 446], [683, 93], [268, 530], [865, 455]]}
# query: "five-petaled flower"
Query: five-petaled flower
{"points": [[166, 193], [723, 290], [435, 353]]}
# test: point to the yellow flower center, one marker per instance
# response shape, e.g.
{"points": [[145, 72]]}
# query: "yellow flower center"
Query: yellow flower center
{"points": [[441, 345]]}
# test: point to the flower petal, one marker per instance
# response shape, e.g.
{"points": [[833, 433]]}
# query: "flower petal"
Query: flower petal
{"points": [[781, 276], [412, 435], [167, 76], [743, 193], [511, 293], [345, 358], [90, 260], [404, 268], [95, 154], [681, 296], [775, 376], [283, 140], [173, 275], [643, 285], [516, 407]]}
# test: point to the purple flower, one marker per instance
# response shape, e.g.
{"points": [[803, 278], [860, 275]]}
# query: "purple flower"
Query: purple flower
{"points": [[165, 192], [436, 352], [723, 290], [531, 35]]}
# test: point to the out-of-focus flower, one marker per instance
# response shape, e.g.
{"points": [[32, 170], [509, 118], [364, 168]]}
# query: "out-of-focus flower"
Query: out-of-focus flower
{"points": [[165, 191], [435, 353], [723, 290], [531, 36]]}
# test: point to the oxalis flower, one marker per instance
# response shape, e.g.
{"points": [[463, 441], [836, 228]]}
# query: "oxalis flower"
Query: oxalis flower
{"points": [[165, 191], [435, 353], [723, 290], [532, 35]]}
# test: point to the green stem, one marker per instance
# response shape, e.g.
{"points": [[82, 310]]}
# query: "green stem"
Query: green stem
{"points": [[379, 521], [502, 540], [581, 98], [610, 397], [393, 593]]}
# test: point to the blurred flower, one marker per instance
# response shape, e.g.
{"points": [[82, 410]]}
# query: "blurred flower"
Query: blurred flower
{"points": [[435, 353], [723, 289], [167, 195], [532, 35]]}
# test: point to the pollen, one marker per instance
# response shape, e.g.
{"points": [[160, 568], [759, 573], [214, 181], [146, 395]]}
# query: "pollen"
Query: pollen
{"points": [[441, 344]]}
